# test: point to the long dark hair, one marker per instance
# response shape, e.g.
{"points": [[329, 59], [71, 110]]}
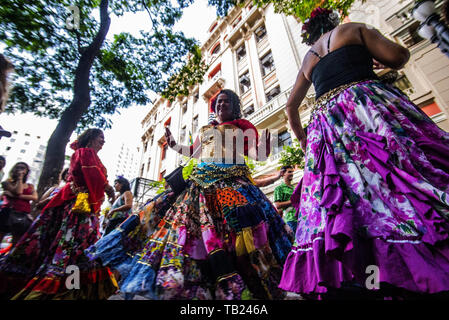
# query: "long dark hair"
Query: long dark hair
{"points": [[12, 176], [320, 21], [234, 101], [65, 174], [87, 136], [124, 183]]}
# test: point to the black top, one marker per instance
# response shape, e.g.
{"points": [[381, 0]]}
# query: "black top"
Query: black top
{"points": [[342, 66]]}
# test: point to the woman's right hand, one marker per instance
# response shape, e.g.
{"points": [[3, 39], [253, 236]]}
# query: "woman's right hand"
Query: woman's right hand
{"points": [[169, 137]]}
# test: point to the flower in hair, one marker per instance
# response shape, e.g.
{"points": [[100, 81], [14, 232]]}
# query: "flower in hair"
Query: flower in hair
{"points": [[74, 145]]}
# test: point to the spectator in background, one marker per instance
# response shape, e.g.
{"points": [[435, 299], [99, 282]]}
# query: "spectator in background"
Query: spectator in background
{"points": [[2, 165], [52, 191], [36, 268], [16, 207], [121, 208], [282, 195]]}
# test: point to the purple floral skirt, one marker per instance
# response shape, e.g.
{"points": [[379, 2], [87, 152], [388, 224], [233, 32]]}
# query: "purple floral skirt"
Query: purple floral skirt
{"points": [[373, 206]]}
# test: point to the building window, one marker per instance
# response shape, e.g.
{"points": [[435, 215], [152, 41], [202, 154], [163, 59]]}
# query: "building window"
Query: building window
{"points": [[216, 49], [184, 107], [241, 52], [27, 143], [273, 93], [196, 96], [213, 27], [27, 134], [145, 146], [22, 151], [195, 124], [244, 82], [39, 155], [14, 132], [41, 147], [148, 164], [12, 140], [182, 136], [284, 139], [236, 22], [260, 32], [248, 111], [404, 84], [215, 72], [8, 148], [267, 63], [164, 151]]}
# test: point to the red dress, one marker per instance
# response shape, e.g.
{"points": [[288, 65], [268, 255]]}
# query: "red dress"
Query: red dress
{"points": [[51, 253]]}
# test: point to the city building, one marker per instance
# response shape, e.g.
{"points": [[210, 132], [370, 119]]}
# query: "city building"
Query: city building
{"points": [[127, 162], [257, 53], [27, 147]]}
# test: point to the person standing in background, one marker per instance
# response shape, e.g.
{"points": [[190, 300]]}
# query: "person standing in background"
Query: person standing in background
{"points": [[16, 206], [2, 165], [282, 195], [39, 265]]}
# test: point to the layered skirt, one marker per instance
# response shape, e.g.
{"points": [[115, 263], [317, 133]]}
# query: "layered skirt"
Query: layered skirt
{"points": [[373, 206], [49, 262], [221, 238]]}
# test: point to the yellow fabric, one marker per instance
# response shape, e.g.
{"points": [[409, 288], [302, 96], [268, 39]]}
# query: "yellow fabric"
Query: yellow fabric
{"points": [[82, 203], [244, 243], [251, 179]]}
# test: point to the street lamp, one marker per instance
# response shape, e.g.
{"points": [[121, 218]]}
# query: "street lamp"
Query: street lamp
{"points": [[431, 27]]}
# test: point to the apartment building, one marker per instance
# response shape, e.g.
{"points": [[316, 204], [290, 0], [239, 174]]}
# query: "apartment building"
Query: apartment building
{"points": [[257, 53], [126, 162], [24, 146]]}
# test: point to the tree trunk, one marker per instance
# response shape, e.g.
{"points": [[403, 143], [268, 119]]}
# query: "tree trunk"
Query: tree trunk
{"points": [[55, 154]]}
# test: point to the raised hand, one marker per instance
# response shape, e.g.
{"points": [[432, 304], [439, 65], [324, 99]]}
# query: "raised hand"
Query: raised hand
{"points": [[169, 137]]}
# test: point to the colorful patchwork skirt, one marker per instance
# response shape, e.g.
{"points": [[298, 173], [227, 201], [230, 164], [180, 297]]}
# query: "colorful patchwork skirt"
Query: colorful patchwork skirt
{"points": [[373, 210], [49, 262], [221, 239]]}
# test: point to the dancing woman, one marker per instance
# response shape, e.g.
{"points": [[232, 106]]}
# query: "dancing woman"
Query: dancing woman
{"points": [[222, 238], [52, 249], [375, 191]]}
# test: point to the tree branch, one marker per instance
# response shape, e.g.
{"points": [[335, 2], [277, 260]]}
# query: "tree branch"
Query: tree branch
{"points": [[153, 24]]}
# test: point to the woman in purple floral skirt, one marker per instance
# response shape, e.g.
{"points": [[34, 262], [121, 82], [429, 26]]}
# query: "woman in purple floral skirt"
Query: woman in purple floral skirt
{"points": [[373, 211]]}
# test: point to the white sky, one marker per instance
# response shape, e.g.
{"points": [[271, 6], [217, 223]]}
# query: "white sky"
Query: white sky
{"points": [[126, 126]]}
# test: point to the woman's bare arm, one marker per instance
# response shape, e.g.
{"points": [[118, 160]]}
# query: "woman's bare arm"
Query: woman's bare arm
{"points": [[382, 49], [298, 94]]}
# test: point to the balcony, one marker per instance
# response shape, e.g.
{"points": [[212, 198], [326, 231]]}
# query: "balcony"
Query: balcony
{"points": [[214, 84], [271, 108]]}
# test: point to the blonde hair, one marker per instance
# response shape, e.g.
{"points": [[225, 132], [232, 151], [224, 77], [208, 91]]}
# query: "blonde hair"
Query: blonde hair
{"points": [[5, 67]]}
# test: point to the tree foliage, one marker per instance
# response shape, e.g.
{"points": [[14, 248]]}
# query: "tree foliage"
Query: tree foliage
{"points": [[127, 69], [292, 155], [298, 8]]}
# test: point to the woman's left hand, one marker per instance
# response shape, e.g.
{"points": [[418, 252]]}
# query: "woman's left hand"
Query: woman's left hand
{"points": [[303, 144], [8, 194]]}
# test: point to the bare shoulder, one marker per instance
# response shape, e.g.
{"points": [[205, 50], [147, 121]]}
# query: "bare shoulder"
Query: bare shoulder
{"points": [[347, 34]]}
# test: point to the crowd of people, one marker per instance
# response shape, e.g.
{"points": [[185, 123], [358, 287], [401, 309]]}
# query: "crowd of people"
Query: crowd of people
{"points": [[374, 192]]}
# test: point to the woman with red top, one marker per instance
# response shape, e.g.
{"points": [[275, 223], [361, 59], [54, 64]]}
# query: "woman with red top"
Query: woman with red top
{"points": [[48, 262], [222, 238], [15, 215]]}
